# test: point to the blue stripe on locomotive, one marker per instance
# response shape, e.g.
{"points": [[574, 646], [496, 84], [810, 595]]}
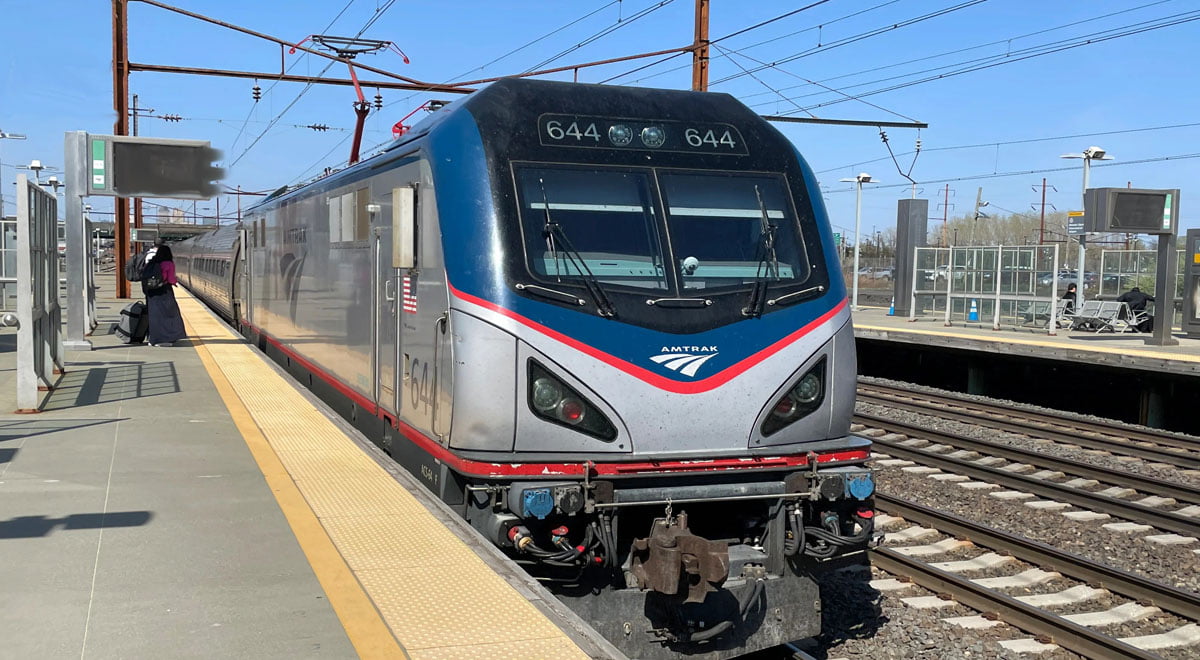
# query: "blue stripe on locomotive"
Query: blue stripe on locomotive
{"points": [[472, 249]]}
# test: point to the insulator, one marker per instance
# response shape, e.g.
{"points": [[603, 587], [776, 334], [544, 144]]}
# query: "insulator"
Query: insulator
{"points": [[918, 144], [883, 136], [256, 92], [378, 101]]}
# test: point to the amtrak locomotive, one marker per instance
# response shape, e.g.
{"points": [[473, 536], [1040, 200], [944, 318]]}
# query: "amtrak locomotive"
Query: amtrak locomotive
{"points": [[605, 324]]}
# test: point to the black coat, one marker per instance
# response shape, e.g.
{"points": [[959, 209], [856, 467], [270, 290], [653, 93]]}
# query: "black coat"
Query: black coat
{"points": [[1136, 300]]}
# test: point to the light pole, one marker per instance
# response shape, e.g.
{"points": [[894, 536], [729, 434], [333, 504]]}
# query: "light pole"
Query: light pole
{"points": [[6, 136], [1088, 155], [36, 167], [859, 181]]}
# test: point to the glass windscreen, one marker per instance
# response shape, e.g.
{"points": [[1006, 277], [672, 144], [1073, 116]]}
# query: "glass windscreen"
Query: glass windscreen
{"points": [[729, 230], [606, 216]]}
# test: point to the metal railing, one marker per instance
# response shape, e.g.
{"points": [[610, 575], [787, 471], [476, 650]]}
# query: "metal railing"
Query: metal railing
{"points": [[39, 314]]}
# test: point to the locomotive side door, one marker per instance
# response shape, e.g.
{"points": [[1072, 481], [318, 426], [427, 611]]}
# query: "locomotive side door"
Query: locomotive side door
{"points": [[426, 360], [385, 312]]}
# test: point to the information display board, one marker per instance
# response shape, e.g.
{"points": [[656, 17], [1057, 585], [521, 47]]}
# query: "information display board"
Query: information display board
{"points": [[123, 166], [1132, 210]]}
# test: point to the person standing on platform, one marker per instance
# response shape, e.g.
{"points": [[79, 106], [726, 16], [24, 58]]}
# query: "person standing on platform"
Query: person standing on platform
{"points": [[1071, 299], [166, 323], [1137, 304]]}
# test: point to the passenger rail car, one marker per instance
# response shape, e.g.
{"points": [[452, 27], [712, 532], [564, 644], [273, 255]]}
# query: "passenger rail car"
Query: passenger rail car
{"points": [[607, 325]]}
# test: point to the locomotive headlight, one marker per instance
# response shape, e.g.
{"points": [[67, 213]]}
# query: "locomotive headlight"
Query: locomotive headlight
{"points": [[556, 402], [620, 135], [653, 136], [546, 394], [801, 399], [808, 389]]}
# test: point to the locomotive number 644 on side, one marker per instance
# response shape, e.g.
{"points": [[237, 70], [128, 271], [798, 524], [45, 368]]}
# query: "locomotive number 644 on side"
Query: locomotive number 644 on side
{"points": [[605, 324]]}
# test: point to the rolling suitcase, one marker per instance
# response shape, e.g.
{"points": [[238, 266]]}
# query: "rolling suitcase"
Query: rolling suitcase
{"points": [[134, 323]]}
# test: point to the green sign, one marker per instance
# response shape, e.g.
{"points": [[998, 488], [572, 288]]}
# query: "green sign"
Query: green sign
{"points": [[837, 239], [98, 164]]}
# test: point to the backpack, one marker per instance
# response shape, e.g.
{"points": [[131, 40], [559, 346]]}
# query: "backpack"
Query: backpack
{"points": [[135, 268], [152, 278]]}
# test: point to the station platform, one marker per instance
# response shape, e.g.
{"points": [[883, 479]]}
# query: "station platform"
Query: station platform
{"points": [[194, 502], [1127, 351]]}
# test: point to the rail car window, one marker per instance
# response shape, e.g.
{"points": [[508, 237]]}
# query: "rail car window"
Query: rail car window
{"points": [[348, 218], [720, 236], [606, 215]]}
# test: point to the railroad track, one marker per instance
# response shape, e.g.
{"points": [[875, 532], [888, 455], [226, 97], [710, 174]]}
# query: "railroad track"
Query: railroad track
{"points": [[933, 448], [1147, 598], [1163, 447]]}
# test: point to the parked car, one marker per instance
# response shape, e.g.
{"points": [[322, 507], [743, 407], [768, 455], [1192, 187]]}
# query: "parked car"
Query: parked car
{"points": [[941, 272], [876, 273]]}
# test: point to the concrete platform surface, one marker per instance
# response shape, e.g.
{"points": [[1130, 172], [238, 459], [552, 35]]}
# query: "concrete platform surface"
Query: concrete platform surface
{"points": [[193, 502], [135, 524], [1124, 350]]}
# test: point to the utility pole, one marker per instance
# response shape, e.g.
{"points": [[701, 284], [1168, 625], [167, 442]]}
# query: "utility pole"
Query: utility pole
{"points": [[945, 215], [700, 49], [1042, 231], [120, 40], [977, 215]]}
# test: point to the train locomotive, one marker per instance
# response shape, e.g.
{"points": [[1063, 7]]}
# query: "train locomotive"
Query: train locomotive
{"points": [[607, 325]]}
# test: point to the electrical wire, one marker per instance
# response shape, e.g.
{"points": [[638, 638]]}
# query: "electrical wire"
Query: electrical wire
{"points": [[1005, 41], [291, 66], [1022, 141], [998, 175], [378, 14], [860, 37], [791, 34], [601, 34], [1029, 53]]}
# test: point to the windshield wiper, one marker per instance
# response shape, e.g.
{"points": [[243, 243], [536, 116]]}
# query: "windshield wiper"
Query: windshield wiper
{"points": [[768, 264], [554, 235]]}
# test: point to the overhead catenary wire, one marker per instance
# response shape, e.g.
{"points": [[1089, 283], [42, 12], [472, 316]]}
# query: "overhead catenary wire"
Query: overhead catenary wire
{"points": [[859, 37], [1019, 141], [378, 13], [742, 31], [601, 34], [997, 42], [1046, 49]]}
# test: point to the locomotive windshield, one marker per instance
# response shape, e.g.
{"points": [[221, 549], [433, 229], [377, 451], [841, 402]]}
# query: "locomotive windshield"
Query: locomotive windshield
{"points": [[606, 216], [731, 230], [717, 230]]}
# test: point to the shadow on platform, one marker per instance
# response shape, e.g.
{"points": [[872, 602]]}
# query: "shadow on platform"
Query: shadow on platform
{"points": [[15, 429], [28, 527], [113, 383]]}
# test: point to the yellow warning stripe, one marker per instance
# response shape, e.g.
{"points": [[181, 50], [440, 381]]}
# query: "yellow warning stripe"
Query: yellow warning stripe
{"points": [[363, 624]]}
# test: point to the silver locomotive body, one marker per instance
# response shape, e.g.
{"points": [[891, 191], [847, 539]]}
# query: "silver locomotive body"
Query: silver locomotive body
{"points": [[606, 324]]}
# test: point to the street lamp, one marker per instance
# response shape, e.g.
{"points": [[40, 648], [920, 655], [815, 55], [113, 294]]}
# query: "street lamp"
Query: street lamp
{"points": [[858, 181], [36, 167], [6, 136], [1088, 155]]}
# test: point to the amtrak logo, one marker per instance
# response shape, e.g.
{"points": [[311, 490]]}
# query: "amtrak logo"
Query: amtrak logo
{"points": [[687, 360]]}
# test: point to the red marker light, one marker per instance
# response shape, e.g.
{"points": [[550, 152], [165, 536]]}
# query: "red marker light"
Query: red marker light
{"points": [[571, 411]]}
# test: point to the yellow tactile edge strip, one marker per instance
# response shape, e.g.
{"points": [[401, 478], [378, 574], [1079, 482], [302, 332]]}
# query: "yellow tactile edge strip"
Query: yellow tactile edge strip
{"points": [[1179, 357], [383, 559]]}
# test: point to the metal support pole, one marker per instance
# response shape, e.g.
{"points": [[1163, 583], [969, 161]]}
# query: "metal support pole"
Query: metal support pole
{"points": [[120, 40], [1079, 297], [1042, 230], [949, 284], [1164, 294], [76, 164], [1053, 327], [999, 264], [857, 241]]}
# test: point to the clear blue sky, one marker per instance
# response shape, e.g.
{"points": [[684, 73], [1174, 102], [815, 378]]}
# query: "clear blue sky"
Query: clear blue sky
{"points": [[55, 76]]}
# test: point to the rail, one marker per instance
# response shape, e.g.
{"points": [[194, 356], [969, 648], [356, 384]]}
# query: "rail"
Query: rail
{"points": [[1047, 425], [1133, 511]]}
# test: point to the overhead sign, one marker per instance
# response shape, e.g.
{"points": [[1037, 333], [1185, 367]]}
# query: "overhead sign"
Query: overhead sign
{"points": [[124, 166], [1133, 210]]}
